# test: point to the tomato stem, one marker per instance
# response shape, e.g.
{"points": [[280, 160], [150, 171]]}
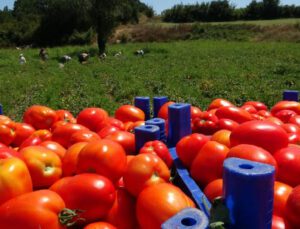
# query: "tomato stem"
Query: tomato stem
{"points": [[68, 217]]}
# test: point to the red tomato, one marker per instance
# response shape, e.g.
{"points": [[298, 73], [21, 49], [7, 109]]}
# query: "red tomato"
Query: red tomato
{"points": [[40, 117], [15, 179], [188, 147], [39, 209], [93, 118], [129, 113], [55, 147], [62, 134], [8, 153], [293, 132], [64, 115], [3, 146], [288, 161], [31, 141], [249, 108], [281, 194], [44, 135], [207, 123], [208, 164], [278, 222], [116, 123], [264, 113], [217, 103], [99, 225], [84, 136], [107, 131], [91, 193], [69, 161], [227, 124], [234, 113], [252, 153], [214, 189], [23, 131], [264, 134], [164, 110], [295, 120], [43, 164], [222, 136], [257, 105], [286, 105], [168, 199], [285, 115], [125, 139], [292, 209], [274, 120], [195, 112], [7, 135], [4, 120], [129, 126], [145, 170], [160, 149], [104, 157], [121, 214]]}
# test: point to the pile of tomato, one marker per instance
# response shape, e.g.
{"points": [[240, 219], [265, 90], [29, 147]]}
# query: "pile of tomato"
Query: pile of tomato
{"points": [[60, 171]]}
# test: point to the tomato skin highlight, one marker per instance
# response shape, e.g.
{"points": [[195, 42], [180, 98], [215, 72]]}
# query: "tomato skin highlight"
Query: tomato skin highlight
{"points": [[281, 194], [93, 118]]}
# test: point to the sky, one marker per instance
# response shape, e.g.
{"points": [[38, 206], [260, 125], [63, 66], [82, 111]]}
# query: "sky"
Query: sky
{"points": [[160, 5]]}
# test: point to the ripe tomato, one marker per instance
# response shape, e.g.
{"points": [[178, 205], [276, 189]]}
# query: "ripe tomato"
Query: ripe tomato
{"points": [[91, 193], [99, 225], [44, 135], [164, 110], [195, 112], [206, 124], [4, 120], [257, 105], [264, 134], [43, 164], [160, 149], [93, 118], [64, 115], [227, 124], [55, 147], [7, 135], [188, 147], [234, 113], [295, 120], [6, 152], [40, 117], [217, 103], [249, 108], [121, 214], [105, 131], [84, 136], [168, 199], [214, 189], [15, 179], [208, 164], [129, 126], [104, 157], [264, 113], [129, 113], [31, 141], [286, 105], [288, 161], [145, 170], [69, 161], [23, 131], [116, 123], [252, 153], [222, 136], [285, 115], [293, 132], [292, 209], [125, 139], [278, 222], [281, 194]]}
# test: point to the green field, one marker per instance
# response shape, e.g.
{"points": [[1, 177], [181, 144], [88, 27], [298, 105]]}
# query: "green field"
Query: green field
{"points": [[186, 71]]}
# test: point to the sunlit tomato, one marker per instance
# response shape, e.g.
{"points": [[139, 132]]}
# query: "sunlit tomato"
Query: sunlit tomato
{"points": [[214, 189], [84, 136], [105, 131], [285, 115], [69, 161], [160, 149], [195, 112], [93, 118], [64, 115], [43, 164], [288, 161], [249, 108], [104, 157], [121, 214], [164, 110], [168, 199], [99, 225], [208, 164], [23, 131], [31, 141], [257, 105], [57, 124], [281, 194], [125, 139], [286, 105], [293, 132], [274, 120], [15, 179], [227, 124], [206, 124], [44, 135], [217, 103], [264, 134], [116, 123], [39, 209], [129, 113], [93, 194], [129, 126], [62, 134], [40, 117], [145, 170], [188, 147], [55, 147], [222, 136], [264, 113], [6, 152], [4, 120], [252, 153], [7, 135], [295, 120], [234, 113], [278, 222], [292, 209]]}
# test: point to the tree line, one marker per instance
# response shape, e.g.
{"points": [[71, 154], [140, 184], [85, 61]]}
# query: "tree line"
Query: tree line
{"points": [[222, 10], [60, 22]]}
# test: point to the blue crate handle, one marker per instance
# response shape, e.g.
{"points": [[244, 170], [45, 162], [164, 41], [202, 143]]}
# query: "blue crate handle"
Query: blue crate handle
{"points": [[291, 95], [144, 134], [161, 123], [158, 102], [144, 104], [189, 218], [1, 109], [249, 192]]}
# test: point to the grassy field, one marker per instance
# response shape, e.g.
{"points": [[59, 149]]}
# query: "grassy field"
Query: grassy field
{"points": [[186, 71]]}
